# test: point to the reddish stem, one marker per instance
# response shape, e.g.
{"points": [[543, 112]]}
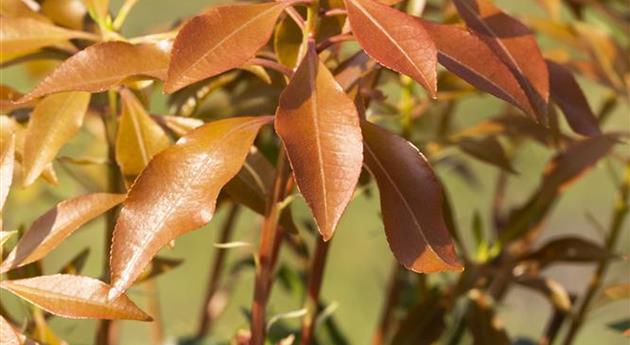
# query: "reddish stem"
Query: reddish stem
{"points": [[314, 288]]}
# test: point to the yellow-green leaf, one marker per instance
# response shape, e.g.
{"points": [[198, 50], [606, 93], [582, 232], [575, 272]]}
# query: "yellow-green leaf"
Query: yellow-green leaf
{"points": [[139, 138], [55, 120]]}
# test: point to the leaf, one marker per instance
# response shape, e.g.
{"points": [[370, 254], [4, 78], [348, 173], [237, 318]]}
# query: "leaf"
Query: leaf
{"points": [[515, 44], [613, 293], [138, 138], [158, 267], [75, 297], [7, 98], [484, 325], [68, 13], [287, 41], [467, 55], [49, 230], [5, 236], [18, 8], [319, 126], [21, 36], [411, 202], [556, 293], [55, 120], [396, 40], [566, 92], [180, 125], [221, 39], [350, 72], [568, 249], [487, 149], [116, 62], [176, 193], [99, 9], [7, 160], [11, 336]]}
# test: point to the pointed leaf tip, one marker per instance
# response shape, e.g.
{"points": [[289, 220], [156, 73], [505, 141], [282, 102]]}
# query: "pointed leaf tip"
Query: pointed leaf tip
{"points": [[319, 126]]}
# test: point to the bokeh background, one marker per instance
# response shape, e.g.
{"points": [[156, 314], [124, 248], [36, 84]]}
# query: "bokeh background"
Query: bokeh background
{"points": [[360, 261]]}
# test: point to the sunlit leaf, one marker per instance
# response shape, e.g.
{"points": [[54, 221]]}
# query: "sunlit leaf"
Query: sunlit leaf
{"points": [[568, 250], [7, 98], [54, 121], [20, 36], [319, 126], [116, 62], [176, 193], [487, 149], [515, 44], [19, 8], [566, 92], [49, 230], [395, 39], [138, 138], [468, 56], [411, 202], [68, 13], [74, 297], [223, 38], [181, 125], [9, 335], [5, 236], [7, 160]]}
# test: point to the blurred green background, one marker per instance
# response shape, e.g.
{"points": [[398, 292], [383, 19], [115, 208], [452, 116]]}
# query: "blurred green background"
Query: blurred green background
{"points": [[360, 260]]}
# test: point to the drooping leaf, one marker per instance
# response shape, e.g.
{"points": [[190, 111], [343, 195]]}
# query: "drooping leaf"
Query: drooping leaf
{"points": [[49, 230], [7, 160], [411, 202], [55, 120], [319, 126], [20, 36], [223, 38], [138, 138], [176, 193], [75, 297], [515, 44], [566, 92], [395, 39], [116, 61], [569, 250], [468, 56], [487, 149], [483, 322]]}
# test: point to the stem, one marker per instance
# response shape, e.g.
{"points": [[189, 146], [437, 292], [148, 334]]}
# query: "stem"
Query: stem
{"points": [[272, 65], [619, 215], [323, 45], [216, 272], [123, 13], [268, 251], [314, 288], [394, 289]]}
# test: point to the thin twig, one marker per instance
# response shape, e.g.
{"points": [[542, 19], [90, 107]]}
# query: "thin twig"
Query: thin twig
{"points": [[272, 65], [327, 43], [316, 276], [394, 289]]}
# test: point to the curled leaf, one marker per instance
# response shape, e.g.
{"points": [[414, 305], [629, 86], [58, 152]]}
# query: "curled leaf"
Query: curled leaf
{"points": [[223, 38], [411, 202], [75, 297], [176, 193], [515, 44], [395, 39], [319, 126], [116, 62], [49, 230], [54, 121], [469, 57]]}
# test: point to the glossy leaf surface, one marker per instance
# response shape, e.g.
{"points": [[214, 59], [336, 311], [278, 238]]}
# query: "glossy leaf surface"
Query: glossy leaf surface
{"points": [[116, 62], [74, 297], [515, 44], [319, 126], [223, 38], [138, 138], [49, 230], [395, 39], [566, 92], [7, 161], [411, 202], [54, 121], [176, 193], [469, 57]]}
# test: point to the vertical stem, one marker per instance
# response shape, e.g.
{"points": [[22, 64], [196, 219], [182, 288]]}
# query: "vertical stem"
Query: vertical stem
{"points": [[114, 185], [271, 237], [619, 215], [216, 272], [394, 289], [314, 288]]}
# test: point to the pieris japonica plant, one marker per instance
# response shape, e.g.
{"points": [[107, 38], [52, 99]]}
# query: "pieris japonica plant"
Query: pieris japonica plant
{"points": [[329, 100]]}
